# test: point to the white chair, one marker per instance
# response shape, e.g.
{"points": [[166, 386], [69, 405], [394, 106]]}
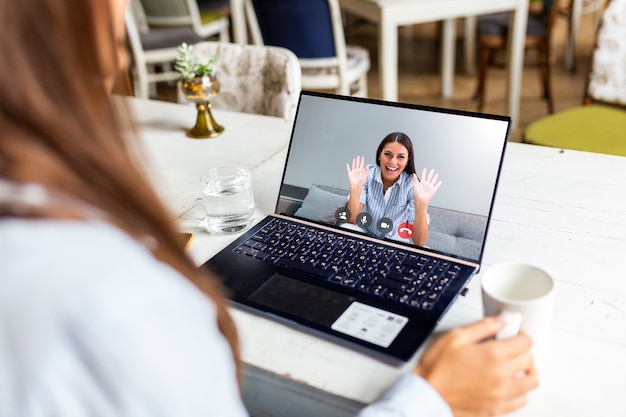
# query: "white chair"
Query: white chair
{"points": [[301, 26], [153, 51], [253, 78], [186, 13]]}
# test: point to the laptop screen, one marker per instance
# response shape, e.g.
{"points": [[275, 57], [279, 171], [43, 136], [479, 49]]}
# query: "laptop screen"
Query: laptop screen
{"points": [[335, 135]]}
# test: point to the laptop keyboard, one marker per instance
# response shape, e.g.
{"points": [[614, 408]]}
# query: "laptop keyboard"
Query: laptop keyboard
{"points": [[415, 280]]}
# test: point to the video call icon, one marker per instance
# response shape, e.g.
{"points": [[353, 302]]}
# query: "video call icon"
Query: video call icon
{"points": [[385, 225]]}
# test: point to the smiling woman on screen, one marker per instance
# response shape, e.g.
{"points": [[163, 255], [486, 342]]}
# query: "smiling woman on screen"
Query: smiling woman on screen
{"points": [[391, 192]]}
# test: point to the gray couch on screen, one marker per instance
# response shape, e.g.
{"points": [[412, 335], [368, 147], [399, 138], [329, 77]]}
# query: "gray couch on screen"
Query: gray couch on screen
{"points": [[449, 231]]}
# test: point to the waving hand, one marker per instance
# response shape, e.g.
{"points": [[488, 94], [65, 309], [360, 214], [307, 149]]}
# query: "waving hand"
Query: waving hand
{"points": [[357, 174], [425, 189]]}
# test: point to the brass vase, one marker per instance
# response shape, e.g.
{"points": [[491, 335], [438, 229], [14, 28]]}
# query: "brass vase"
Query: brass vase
{"points": [[200, 90]]}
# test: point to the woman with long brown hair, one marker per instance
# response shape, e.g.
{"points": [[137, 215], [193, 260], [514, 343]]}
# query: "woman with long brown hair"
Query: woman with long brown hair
{"points": [[85, 240], [101, 311]]}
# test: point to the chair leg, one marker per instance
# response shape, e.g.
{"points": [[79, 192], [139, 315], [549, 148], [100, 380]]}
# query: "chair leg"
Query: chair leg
{"points": [[485, 57], [545, 67], [363, 83], [225, 34]]}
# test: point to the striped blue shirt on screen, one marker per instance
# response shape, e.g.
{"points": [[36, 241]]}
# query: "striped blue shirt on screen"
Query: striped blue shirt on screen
{"points": [[397, 204]]}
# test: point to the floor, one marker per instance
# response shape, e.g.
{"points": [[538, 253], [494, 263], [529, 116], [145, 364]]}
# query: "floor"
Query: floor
{"points": [[418, 72]]}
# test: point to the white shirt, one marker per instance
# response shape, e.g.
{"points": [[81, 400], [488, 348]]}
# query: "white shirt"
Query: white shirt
{"points": [[92, 325]]}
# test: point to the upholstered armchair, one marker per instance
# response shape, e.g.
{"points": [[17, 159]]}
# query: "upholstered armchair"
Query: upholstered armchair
{"points": [[254, 78]]}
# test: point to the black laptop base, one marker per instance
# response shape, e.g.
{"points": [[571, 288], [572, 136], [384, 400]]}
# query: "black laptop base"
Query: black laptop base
{"points": [[311, 302]]}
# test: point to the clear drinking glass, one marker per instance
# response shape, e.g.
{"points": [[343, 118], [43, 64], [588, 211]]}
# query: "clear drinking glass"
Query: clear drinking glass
{"points": [[228, 199]]}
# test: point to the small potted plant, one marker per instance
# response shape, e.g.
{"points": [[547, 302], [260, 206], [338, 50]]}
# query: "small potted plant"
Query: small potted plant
{"points": [[198, 84], [189, 66]]}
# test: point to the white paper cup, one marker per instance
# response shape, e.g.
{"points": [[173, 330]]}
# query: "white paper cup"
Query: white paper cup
{"points": [[524, 289]]}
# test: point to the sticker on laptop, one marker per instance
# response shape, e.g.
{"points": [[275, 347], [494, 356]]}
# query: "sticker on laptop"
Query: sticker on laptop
{"points": [[369, 323]]}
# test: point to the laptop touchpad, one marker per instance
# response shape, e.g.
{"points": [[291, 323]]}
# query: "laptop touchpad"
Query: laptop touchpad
{"points": [[304, 300]]}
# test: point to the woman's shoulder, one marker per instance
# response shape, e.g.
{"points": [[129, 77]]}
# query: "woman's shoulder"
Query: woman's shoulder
{"points": [[406, 178]]}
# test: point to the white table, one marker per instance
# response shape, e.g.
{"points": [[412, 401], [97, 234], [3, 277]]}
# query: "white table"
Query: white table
{"points": [[562, 211], [391, 14]]}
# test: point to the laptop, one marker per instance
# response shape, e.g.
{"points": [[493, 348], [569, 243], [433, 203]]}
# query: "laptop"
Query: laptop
{"points": [[366, 283]]}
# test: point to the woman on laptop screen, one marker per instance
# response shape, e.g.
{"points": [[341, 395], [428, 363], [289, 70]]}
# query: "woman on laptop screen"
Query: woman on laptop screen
{"points": [[388, 198]]}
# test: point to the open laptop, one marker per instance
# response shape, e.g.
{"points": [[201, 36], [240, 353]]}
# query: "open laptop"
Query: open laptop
{"points": [[367, 284]]}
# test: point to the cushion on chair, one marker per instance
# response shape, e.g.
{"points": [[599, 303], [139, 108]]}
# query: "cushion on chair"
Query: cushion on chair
{"points": [[357, 58], [593, 128], [497, 24], [168, 38], [208, 16], [303, 27]]}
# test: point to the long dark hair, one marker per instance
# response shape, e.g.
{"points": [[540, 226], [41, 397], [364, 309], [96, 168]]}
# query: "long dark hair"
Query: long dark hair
{"points": [[60, 128], [405, 141]]}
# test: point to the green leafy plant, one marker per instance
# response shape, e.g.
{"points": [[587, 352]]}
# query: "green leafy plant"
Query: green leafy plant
{"points": [[189, 66]]}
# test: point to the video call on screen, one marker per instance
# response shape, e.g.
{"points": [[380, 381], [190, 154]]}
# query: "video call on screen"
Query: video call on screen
{"points": [[464, 148]]}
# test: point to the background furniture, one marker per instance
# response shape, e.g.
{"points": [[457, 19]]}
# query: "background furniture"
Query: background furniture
{"points": [[186, 13], [254, 78], [390, 14], [313, 30], [579, 8], [152, 51], [599, 125], [492, 33], [539, 217]]}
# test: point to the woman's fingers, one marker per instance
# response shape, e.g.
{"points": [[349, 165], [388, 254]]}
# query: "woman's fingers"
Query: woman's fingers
{"points": [[357, 163], [478, 375], [430, 176]]}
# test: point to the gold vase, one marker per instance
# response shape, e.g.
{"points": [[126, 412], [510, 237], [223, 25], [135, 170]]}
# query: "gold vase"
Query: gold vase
{"points": [[200, 90]]}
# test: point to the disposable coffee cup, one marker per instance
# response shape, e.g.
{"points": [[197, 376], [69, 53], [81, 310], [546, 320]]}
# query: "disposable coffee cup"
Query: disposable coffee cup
{"points": [[520, 290], [228, 199]]}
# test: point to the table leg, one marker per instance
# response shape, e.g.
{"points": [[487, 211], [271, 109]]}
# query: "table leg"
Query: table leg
{"points": [[388, 59], [574, 26], [447, 57], [516, 60], [469, 44]]}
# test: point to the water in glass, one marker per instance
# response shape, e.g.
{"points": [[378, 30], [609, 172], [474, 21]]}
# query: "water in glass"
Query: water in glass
{"points": [[228, 199]]}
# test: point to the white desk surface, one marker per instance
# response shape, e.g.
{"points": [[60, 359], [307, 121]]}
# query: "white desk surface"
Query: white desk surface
{"points": [[562, 211], [391, 14]]}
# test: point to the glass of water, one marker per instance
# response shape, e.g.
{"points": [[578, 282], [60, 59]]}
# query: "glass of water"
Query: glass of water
{"points": [[228, 199]]}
